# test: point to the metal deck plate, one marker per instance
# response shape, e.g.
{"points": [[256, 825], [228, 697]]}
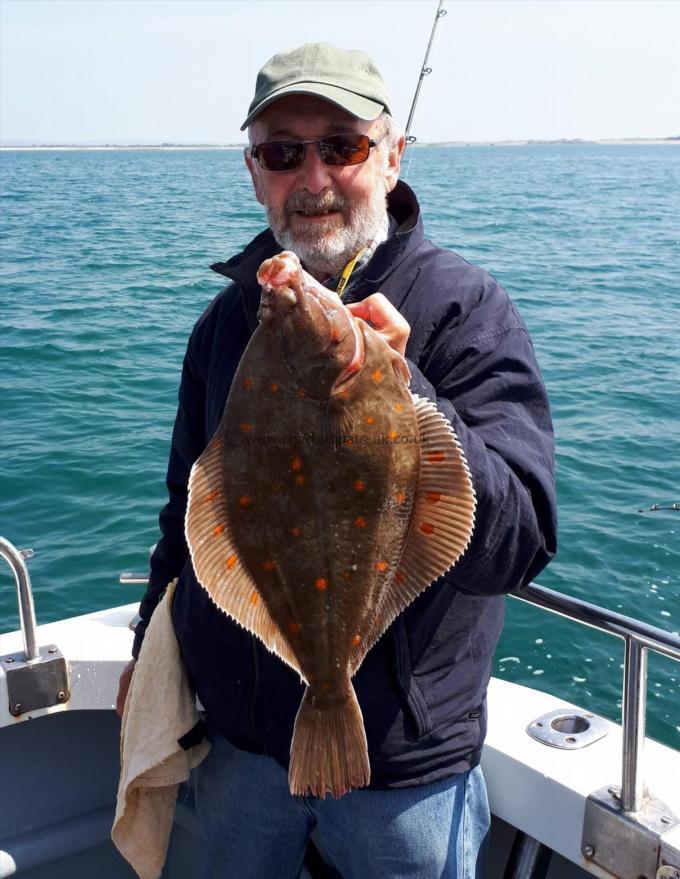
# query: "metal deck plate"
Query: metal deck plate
{"points": [[625, 843], [36, 684], [569, 729]]}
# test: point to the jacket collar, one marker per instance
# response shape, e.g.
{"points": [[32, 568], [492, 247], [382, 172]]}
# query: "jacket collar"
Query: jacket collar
{"points": [[402, 205]]}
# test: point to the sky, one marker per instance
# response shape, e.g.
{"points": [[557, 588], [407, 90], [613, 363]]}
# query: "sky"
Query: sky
{"points": [[183, 71]]}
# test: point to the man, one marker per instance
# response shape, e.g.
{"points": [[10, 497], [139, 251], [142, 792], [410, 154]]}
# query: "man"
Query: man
{"points": [[324, 154]]}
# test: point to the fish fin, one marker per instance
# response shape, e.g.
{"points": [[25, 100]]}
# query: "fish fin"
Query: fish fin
{"points": [[217, 563], [442, 521], [337, 424], [328, 752], [400, 366]]}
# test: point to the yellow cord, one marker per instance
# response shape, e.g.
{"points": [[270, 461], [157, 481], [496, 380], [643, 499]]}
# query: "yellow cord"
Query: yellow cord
{"points": [[347, 272]]}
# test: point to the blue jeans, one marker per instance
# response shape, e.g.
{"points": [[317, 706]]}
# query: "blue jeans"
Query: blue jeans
{"points": [[256, 830]]}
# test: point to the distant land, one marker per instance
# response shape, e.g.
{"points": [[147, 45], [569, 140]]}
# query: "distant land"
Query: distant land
{"points": [[674, 140]]}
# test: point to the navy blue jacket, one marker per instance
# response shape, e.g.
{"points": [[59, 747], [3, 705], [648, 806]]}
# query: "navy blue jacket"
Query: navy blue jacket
{"points": [[422, 687]]}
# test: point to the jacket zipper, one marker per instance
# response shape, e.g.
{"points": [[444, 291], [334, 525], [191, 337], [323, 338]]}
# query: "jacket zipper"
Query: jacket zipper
{"points": [[254, 692]]}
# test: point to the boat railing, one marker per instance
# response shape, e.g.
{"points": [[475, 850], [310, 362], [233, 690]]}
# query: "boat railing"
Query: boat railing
{"points": [[37, 677], [638, 638], [16, 559]]}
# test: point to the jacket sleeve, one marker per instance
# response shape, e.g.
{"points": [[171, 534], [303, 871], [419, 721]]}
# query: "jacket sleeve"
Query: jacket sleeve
{"points": [[489, 386], [188, 441]]}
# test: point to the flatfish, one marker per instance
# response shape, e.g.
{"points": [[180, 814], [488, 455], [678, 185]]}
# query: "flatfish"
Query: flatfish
{"points": [[328, 499]]}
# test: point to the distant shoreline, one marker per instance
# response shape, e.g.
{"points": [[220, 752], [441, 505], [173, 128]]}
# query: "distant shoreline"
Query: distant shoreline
{"points": [[628, 141]]}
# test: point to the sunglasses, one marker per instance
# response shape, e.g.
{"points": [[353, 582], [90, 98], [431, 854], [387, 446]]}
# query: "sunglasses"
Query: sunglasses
{"points": [[336, 149]]}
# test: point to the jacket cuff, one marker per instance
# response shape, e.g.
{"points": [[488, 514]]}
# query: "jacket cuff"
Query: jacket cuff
{"points": [[140, 630]]}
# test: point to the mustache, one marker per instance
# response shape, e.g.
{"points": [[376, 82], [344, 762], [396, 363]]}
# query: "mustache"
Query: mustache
{"points": [[307, 201]]}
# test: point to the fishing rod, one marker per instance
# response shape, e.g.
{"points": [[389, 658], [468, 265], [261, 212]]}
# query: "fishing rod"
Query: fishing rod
{"points": [[424, 71]]}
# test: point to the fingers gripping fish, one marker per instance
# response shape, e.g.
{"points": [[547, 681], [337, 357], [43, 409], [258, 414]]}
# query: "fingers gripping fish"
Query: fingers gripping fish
{"points": [[328, 499]]}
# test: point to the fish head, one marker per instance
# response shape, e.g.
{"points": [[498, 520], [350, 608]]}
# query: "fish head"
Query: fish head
{"points": [[316, 334]]}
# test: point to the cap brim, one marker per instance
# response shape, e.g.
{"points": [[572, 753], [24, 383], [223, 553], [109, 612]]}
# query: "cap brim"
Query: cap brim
{"points": [[354, 104]]}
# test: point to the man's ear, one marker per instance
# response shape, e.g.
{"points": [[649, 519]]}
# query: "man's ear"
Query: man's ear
{"points": [[394, 163], [254, 169]]}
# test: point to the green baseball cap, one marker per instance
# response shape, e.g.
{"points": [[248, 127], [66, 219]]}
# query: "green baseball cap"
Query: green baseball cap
{"points": [[345, 77]]}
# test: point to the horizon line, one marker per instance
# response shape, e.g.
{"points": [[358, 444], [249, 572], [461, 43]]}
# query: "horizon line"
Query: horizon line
{"points": [[22, 144]]}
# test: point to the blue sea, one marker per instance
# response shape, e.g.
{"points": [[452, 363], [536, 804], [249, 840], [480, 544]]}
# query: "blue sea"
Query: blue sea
{"points": [[105, 259]]}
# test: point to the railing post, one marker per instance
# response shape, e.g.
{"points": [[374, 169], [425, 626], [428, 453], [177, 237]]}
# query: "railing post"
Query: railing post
{"points": [[24, 595], [634, 704]]}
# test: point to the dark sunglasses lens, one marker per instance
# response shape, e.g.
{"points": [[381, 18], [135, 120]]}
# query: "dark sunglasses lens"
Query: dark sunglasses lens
{"points": [[345, 149], [280, 155]]}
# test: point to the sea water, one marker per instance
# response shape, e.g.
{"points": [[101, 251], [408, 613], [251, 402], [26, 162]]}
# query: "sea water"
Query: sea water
{"points": [[105, 258]]}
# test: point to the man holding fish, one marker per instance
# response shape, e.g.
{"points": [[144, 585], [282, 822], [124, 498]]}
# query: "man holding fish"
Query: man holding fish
{"points": [[381, 474]]}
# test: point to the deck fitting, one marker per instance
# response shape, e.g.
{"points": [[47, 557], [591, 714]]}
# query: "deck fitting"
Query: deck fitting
{"points": [[630, 845]]}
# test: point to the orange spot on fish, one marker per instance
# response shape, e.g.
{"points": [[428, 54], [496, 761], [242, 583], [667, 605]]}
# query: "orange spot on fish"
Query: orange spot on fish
{"points": [[399, 576], [377, 376], [349, 441], [360, 522], [231, 561], [435, 457], [335, 335], [268, 565], [400, 497], [381, 566], [296, 463], [295, 532], [433, 497], [359, 485], [246, 427], [344, 394], [254, 598], [392, 435], [300, 480], [370, 419], [245, 501], [216, 443], [356, 640], [247, 383], [209, 498], [301, 393], [398, 407], [427, 527], [273, 387], [294, 628], [321, 583], [217, 530]]}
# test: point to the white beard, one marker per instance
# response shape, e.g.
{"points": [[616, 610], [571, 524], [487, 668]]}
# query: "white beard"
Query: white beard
{"points": [[327, 248]]}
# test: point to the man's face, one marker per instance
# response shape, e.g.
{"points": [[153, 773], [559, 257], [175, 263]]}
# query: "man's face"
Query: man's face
{"points": [[324, 213]]}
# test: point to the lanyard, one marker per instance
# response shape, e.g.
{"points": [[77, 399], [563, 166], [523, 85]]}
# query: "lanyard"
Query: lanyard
{"points": [[347, 272]]}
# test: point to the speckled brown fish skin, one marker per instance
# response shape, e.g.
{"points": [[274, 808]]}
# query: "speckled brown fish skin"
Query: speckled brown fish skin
{"points": [[302, 506]]}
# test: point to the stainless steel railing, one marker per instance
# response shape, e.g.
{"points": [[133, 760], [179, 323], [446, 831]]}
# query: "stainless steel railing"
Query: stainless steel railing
{"points": [[16, 560], [639, 638]]}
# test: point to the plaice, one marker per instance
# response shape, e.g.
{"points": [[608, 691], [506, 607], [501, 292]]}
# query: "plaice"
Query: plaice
{"points": [[328, 499]]}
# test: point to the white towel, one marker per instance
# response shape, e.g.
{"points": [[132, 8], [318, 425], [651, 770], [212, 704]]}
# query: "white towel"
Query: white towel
{"points": [[160, 709]]}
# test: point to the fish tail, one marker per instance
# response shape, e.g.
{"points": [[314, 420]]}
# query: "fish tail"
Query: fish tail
{"points": [[328, 753]]}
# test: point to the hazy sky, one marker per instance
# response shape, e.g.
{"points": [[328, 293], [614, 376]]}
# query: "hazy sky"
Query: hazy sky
{"points": [[79, 71]]}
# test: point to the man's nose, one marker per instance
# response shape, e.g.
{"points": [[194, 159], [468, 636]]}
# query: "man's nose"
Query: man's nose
{"points": [[314, 175]]}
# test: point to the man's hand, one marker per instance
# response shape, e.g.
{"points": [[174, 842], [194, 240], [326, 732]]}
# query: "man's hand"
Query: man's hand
{"points": [[379, 312], [124, 686]]}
